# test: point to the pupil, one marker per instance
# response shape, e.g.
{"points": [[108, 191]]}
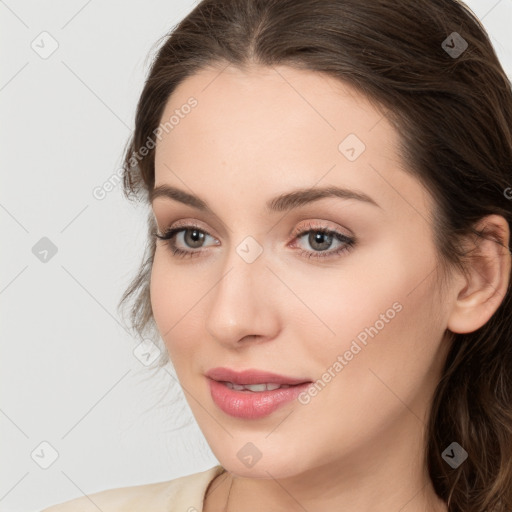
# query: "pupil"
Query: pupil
{"points": [[323, 239], [196, 237]]}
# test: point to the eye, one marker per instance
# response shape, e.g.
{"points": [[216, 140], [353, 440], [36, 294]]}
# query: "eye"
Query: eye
{"points": [[189, 235], [320, 238]]}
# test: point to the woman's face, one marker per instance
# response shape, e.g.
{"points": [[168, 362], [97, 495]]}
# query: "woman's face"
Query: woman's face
{"points": [[260, 288]]}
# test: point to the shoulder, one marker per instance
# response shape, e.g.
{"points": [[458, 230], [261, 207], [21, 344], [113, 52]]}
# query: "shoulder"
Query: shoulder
{"points": [[184, 493]]}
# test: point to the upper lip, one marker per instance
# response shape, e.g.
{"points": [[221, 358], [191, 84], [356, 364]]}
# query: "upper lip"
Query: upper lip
{"points": [[252, 376]]}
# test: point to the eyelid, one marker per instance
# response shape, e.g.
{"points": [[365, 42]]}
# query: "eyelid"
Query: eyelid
{"points": [[188, 224], [298, 230], [165, 216], [321, 225]]}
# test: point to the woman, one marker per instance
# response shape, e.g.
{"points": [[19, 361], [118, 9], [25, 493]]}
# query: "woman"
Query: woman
{"points": [[329, 185]]}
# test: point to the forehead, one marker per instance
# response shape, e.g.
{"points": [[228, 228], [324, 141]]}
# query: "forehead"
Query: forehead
{"points": [[310, 93], [276, 128], [267, 111]]}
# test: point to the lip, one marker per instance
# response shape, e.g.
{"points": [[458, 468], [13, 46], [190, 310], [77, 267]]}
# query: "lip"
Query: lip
{"points": [[251, 405], [248, 404], [252, 376]]}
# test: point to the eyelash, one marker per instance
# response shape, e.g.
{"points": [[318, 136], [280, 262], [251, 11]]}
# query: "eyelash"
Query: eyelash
{"points": [[349, 242]]}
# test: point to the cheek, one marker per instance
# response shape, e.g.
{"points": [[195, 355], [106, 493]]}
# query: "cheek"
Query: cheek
{"points": [[340, 302], [387, 336], [381, 311], [171, 301], [388, 286], [163, 295]]}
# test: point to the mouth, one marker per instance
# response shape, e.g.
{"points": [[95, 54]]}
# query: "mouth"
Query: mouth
{"points": [[252, 394]]}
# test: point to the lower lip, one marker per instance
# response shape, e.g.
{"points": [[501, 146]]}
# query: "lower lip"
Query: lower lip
{"points": [[251, 405]]}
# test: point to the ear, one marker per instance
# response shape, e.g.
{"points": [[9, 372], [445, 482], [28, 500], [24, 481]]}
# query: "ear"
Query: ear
{"points": [[480, 293]]}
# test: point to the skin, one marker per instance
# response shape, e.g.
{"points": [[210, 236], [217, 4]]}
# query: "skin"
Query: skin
{"points": [[358, 444]]}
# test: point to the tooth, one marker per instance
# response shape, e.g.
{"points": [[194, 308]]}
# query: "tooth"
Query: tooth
{"points": [[236, 387], [256, 387]]}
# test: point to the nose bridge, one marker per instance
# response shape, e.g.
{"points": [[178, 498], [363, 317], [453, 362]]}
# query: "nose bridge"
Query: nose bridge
{"points": [[239, 305]]}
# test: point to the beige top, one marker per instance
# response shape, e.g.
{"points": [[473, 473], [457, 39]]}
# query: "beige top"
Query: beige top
{"points": [[184, 494]]}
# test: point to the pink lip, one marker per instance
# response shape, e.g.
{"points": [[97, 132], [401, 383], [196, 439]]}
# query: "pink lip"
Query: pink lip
{"points": [[249, 404], [251, 377]]}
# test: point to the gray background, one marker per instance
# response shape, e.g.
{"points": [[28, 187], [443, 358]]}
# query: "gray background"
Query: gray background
{"points": [[69, 375]]}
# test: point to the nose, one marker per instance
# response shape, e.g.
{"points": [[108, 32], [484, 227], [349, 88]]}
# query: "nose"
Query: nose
{"points": [[241, 306]]}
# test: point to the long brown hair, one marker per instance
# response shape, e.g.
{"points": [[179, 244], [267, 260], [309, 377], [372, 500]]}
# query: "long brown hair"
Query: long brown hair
{"points": [[429, 64]]}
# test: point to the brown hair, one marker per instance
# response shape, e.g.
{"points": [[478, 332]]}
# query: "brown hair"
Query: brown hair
{"points": [[454, 115]]}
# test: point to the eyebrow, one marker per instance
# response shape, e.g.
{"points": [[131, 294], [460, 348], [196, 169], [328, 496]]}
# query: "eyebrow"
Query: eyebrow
{"points": [[281, 203]]}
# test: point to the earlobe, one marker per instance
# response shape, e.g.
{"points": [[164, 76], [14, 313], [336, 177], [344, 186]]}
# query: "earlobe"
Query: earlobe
{"points": [[482, 290]]}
